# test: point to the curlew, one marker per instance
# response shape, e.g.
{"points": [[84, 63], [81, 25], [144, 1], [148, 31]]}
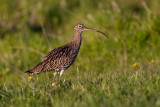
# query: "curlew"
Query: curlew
{"points": [[61, 58]]}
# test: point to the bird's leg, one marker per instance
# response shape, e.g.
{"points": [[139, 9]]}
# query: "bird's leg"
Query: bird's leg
{"points": [[61, 72], [55, 73]]}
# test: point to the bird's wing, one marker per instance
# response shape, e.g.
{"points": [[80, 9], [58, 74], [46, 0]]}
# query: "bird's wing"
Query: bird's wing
{"points": [[54, 59]]}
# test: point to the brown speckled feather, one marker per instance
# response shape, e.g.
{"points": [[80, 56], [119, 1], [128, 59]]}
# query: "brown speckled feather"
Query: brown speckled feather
{"points": [[58, 59]]}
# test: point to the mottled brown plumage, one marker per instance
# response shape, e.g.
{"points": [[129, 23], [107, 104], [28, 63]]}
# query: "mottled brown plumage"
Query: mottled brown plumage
{"points": [[61, 58]]}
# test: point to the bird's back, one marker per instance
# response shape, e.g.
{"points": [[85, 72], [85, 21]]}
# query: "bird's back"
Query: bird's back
{"points": [[57, 59]]}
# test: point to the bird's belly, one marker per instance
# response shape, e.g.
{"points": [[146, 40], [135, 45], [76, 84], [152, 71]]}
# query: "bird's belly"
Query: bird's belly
{"points": [[67, 62]]}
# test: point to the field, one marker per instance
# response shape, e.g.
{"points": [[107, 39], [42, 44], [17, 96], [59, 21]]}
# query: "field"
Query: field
{"points": [[120, 71]]}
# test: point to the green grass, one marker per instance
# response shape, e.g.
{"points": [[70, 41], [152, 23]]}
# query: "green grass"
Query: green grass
{"points": [[103, 73]]}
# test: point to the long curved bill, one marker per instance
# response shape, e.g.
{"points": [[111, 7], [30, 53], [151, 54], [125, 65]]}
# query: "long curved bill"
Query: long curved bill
{"points": [[96, 31]]}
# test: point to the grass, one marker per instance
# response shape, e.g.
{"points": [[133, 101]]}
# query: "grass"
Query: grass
{"points": [[123, 70]]}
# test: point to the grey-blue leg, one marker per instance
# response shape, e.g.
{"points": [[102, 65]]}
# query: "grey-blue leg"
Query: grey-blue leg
{"points": [[61, 72], [55, 73]]}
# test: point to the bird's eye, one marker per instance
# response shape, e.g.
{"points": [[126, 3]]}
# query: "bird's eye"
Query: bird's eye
{"points": [[79, 26]]}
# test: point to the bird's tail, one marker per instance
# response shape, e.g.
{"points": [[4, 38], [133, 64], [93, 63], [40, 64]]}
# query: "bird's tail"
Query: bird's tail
{"points": [[29, 72]]}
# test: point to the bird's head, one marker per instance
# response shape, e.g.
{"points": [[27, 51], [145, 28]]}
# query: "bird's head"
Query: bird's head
{"points": [[78, 28]]}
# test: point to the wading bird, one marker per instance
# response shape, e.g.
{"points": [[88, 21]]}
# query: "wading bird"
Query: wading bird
{"points": [[61, 58]]}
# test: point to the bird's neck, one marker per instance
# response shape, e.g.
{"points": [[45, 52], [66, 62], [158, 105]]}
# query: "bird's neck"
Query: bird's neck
{"points": [[76, 41]]}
